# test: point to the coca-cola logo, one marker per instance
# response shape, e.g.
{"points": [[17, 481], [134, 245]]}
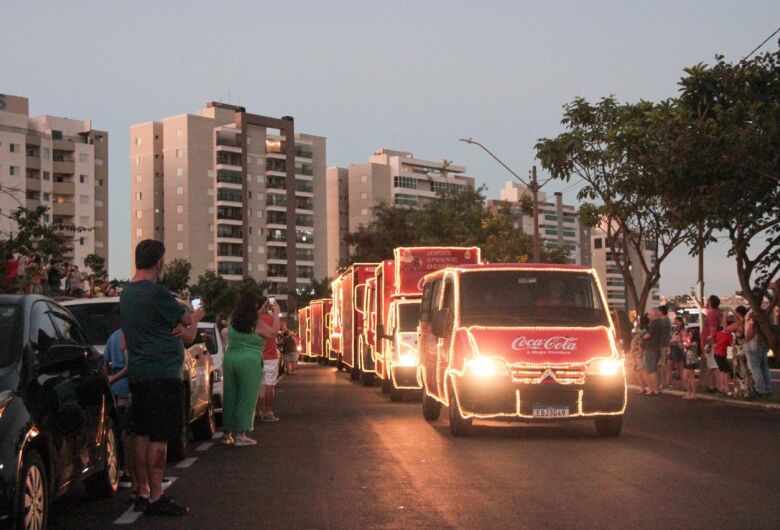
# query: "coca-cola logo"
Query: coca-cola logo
{"points": [[555, 345]]}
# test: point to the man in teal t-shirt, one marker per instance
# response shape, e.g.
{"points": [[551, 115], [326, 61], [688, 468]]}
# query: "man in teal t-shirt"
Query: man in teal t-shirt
{"points": [[150, 317]]}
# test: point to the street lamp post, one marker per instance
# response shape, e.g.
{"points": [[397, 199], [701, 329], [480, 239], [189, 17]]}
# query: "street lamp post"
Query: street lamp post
{"points": [[533, 185]]}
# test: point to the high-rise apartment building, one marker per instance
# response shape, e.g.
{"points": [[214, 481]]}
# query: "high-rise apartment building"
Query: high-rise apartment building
{"points": [[393, 177], [558, 222], [59, 163], [603, 262], [232, 192]]}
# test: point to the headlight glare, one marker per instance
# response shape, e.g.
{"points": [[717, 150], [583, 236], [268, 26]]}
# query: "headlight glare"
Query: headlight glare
{"points": [[605, 367], [487, 367]]}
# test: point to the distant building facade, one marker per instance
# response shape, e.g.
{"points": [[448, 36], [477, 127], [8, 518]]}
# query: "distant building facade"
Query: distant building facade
{"points": [[232, 192], [389, 176], [59, 163]]}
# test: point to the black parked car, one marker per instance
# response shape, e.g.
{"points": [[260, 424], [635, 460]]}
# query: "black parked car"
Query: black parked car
{"points": [[56, 411]]}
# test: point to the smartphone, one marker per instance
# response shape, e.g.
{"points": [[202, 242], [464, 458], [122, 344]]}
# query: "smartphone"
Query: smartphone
{"points": [[196, 303], [271, 304]]}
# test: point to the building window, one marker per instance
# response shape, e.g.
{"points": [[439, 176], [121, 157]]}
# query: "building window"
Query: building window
{"points": [[179, 133], [82, 179], [83, 157], [179, 171], [99, 183], [138, 214], [405, 182], [46, 175], [179, 190], [179, 246], [597, 243], [139, 196], [98, 204], [46, 196], [83, 199], [180, 227], [138, 179], [179, 208], [364, 196], [364, 178], [138, 232], [12, 147], [137, 140], [364, 211], [138, 161], [178, 153], [45, 153], [13, 170]]}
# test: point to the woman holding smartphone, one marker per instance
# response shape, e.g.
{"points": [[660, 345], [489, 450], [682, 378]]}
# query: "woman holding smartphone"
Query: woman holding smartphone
{"points": [[242, 368]]}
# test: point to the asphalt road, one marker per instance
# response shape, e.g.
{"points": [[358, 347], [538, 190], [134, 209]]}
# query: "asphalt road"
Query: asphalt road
{"points": [[344, 456]]}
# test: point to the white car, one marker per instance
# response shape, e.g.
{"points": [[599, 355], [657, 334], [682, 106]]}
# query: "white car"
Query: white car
{"points": [[213, 341]]}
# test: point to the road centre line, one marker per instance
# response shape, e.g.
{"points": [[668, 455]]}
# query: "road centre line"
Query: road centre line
{"points": [[204, 446], [130, 516], [187, 462]]}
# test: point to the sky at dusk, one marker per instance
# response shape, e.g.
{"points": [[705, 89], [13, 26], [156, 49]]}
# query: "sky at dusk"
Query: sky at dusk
{"points": [[367, 74]]}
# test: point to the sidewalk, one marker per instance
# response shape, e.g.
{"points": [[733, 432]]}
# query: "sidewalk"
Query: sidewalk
{"points": [[717, 397]]}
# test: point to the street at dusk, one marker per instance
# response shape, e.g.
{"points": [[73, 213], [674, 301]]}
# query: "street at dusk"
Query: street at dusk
{"points": [[344, 456]]}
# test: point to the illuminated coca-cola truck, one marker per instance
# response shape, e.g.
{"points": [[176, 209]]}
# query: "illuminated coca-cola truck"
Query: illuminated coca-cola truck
{"points": [[399, 290], [319, 325], [519, 342], [367, 341], [347, 317]]}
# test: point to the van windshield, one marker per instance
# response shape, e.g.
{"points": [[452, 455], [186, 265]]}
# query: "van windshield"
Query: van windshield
{"points": [[530, 298], [408, 316]]}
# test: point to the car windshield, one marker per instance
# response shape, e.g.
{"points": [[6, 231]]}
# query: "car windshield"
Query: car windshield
{"points": [[530, 298], [408, 317], [9, 339], [98, 320]]}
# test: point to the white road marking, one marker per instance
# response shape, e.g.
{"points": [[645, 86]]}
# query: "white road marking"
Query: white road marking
{"points": [[204, 446], [131, 516], [187, 462], [218, 435]]}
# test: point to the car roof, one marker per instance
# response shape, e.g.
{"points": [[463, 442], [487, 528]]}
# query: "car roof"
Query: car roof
{"points": [[86, 301]]}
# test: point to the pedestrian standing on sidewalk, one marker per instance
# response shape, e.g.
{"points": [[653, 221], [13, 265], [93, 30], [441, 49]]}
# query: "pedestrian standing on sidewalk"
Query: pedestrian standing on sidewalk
{"points": [[152, 319], [651, 342], [756, 349], [270, 374], [712, 318], [664, 338], [290, 351], [691, 363], [676, 350], [242, 367], [723, 340]]}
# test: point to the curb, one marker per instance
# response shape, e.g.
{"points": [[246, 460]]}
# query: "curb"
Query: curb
{"points": [[710, 397]]}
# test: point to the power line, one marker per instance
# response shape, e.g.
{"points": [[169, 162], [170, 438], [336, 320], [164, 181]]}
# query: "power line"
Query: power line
{"points": [[760, 45]]}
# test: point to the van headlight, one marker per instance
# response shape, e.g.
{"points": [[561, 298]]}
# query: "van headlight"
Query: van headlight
{"points": [[487, 367], [606, 367], [407, 358]]}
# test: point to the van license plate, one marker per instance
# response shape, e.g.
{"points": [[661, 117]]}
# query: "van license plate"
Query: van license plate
{"points": [[551, 412]]}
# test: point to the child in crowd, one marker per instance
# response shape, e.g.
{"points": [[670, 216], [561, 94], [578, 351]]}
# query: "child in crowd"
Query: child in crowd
{"points": [[691, 363], [723, 340]]}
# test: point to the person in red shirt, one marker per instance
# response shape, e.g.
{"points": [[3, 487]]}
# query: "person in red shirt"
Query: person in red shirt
{"points": [[722, 340], [270, 374]]}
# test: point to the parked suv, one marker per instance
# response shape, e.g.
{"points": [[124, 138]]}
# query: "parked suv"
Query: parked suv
{"points": [[213, 342], [100, 318], [57, 416]]}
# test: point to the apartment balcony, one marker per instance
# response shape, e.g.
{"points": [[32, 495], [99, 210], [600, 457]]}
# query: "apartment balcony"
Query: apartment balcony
{"points": [[64, 209], [63, 145], [64, 166], [33, 162], [33, 184], [64, 188], [229, 143], [303, 151]]}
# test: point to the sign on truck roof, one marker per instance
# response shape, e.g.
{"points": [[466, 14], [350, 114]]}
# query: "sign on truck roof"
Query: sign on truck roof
{"points": [[413, 263]]}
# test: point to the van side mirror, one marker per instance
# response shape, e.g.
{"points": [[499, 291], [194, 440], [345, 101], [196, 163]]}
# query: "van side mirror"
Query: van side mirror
{"points": [[380, 332], [439, 324]]}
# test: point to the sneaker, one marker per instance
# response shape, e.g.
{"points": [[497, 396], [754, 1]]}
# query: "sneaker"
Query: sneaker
{"points": [[140, 504], [166, 481], [243, 440], [270, 417], [125, 482], [165, 505]]}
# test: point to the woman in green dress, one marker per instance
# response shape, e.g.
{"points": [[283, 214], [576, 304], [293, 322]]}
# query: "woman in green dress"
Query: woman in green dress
{"points": [[242, 368]]}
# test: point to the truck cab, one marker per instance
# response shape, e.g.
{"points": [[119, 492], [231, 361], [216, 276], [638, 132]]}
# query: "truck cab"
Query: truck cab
{"points": [[519, 342]]}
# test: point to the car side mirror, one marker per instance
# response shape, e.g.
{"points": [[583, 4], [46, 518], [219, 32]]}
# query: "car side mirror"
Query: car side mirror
{"points": [[60, 356], [440, 320]]}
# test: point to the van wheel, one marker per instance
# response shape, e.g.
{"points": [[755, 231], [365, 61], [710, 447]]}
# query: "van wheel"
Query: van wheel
{"points": [[459, 426], [105, 484], [205, 427], [431, 408], [396, 394], [609, 426], [177, 448], [32, 493], [367, 378], [386, 386]]}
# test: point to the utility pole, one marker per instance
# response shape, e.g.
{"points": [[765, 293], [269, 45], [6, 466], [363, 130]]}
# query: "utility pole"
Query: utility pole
{"points": [[533, 186], [700, 283]]}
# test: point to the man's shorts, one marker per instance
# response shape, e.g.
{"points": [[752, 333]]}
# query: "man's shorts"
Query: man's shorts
{"points": [[723, 364], [709, 356], [122, 412], [650, 358], [270, 371], [157, 409], [664, 356]]}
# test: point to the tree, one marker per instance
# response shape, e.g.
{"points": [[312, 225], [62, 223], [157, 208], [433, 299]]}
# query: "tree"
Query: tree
{"points": [[318, 289], [621, 152], [215, 293], [730, 119], [33, 233], [456, 218], [176, 275], [98, 266]]}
